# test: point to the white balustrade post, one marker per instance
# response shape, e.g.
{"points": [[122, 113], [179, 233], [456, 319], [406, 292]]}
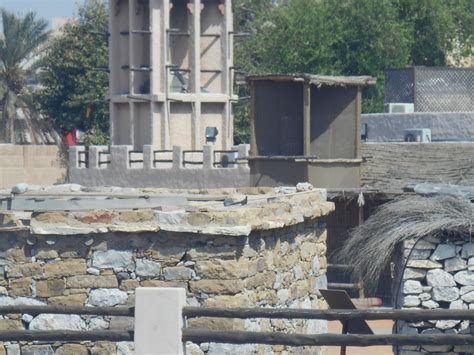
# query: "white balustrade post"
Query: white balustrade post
{"points": [[120, 157], [94, 157], [243, 150], [208, 157], [74, 156], [148, 157], [159, 321], [177, 157]]}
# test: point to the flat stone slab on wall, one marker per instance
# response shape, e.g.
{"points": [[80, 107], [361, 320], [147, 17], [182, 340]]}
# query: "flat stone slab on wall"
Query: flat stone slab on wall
{"points": [[277, 260], [438, 274]]}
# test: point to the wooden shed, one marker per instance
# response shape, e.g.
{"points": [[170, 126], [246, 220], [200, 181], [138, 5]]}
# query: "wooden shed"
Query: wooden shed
{"points": [[306, 128]]}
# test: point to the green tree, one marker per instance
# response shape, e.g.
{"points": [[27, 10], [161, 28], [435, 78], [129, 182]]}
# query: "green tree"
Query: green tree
{"points": [[441, 31], [23, 37], [247, 15], [73, 76], [352, 37]]}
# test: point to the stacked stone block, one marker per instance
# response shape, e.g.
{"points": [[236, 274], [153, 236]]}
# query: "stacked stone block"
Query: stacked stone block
{"points": [[439, 274], [282, 267]]}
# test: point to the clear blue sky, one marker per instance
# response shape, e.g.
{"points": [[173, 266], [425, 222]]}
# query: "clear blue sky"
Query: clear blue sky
{"points": [[47, 9]]}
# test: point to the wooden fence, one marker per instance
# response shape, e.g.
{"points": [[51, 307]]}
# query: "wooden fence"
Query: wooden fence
{"points": [[160, 325], [242, 337], [66, 335]]}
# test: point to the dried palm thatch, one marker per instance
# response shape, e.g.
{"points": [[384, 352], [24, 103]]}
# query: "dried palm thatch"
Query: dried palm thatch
{"points": [[372, 245]]}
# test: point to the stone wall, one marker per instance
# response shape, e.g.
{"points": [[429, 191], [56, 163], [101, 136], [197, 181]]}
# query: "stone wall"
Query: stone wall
{"points": [[438, 274], [32, 164], [100, 258]]}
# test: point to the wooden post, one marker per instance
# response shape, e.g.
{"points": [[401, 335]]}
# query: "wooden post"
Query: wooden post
{"points": [[358, 108], [307, 119], [159, 320], [345, 327], [253, 113]]}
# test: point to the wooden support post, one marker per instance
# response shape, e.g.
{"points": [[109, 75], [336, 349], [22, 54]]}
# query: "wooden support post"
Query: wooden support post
{"points": [[307, 119], [345, 328], [253, 113], [358, 107]]}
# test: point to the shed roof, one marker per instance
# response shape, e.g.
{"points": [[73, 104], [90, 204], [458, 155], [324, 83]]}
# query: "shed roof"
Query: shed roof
{"points": [[317, 80]]}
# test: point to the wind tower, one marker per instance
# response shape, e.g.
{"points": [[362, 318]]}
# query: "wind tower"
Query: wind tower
{"points": [[171, 66]]}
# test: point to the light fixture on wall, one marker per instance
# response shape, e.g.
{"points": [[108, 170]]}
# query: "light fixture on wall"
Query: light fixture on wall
{"points": [[211, 134]]}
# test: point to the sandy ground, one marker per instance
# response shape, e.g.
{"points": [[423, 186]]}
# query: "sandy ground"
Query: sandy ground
{"points": [[379, 327]]}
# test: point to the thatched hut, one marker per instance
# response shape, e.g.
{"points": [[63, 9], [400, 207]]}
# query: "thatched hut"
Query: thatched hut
{"points": [[428, 243]]}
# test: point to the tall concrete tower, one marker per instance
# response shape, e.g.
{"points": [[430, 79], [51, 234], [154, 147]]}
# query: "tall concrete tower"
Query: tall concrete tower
{"points": [[171, 64]]}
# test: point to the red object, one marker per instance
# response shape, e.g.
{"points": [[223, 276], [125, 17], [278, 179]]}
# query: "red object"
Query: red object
{"points": [[69, 138]]}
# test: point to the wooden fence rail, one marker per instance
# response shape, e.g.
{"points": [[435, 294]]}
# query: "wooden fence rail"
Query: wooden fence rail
{"points": [[332, 314], [65, 335], [89, 311], [157, 310], [240, 337]]}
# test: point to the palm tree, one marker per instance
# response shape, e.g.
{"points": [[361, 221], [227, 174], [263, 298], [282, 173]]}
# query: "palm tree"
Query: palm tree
{"points": [[23, 36]]}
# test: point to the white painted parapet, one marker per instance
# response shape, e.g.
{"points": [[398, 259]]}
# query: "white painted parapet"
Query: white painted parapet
{"points": [[177, 168], [159, 321]]}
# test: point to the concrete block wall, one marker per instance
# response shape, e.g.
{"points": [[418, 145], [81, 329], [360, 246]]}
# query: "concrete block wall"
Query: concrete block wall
{"points": [[32, 164], [122, 166]]}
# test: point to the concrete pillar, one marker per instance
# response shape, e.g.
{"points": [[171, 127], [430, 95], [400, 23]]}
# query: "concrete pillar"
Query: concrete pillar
{"points": [[148, 157], [73, 153], [119, 157], [195, 77], [177, 157], [208, 158], [243, 150], [159, 321], [94, 157]]}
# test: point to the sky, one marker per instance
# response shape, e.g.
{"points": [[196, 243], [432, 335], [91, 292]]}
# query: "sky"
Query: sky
{"points": [[47, 9]]}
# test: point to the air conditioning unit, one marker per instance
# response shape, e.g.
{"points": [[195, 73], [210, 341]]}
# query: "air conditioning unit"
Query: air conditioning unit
{"points": [[418, 135], [399, 108]]}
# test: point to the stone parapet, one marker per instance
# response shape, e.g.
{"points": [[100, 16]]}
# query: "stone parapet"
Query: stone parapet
{"points": [[177, 168], [186, 213], [269, 252]]}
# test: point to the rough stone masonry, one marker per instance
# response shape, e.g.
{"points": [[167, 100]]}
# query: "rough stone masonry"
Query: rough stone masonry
{"points": [[439, 273], [269, 253]]}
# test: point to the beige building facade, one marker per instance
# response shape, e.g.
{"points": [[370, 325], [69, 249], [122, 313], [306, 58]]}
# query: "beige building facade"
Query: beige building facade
{"points": [[171, 66]]}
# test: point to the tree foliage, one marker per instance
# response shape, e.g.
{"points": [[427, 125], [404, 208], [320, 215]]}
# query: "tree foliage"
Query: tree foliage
{"points": [[23, 37], [350, 37], [75, 87]]}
